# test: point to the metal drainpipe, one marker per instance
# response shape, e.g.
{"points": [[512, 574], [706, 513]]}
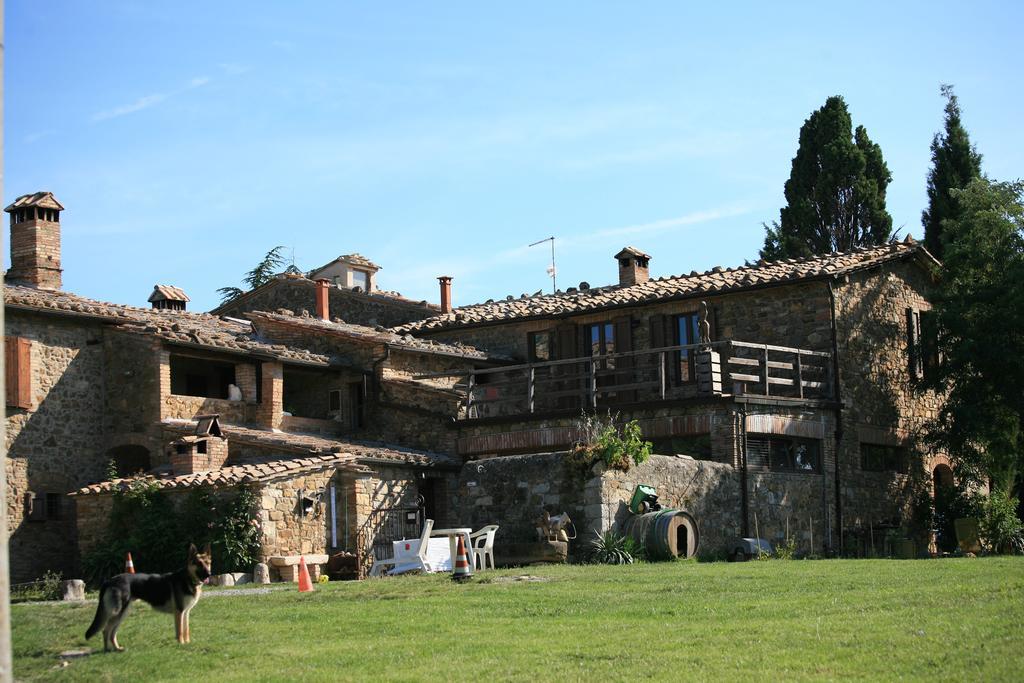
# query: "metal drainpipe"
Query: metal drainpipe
{"points": [[839, 410], [743, 471]]}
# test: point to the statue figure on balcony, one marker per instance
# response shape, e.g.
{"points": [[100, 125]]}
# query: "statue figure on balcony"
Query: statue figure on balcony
{"points": [[703, 327]]}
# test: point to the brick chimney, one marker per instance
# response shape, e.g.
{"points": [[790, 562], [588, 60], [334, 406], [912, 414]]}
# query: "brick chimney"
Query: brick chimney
{"points": [[446, 294], [633, 266], [35, 241], [205, 450], [192, 454], [323, 308]]}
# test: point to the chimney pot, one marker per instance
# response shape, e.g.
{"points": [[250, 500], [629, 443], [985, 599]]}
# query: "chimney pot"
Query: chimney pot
{"points": [[446, 294], [322, 306]]}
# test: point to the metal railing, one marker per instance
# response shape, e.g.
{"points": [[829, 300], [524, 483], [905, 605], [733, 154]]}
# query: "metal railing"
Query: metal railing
{"points": [[686, 370], [389, 524]]}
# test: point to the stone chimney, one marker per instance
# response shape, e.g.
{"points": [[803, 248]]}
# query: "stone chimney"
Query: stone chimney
{"points": [[446, 294], [35, 241], [323, 307], [633, 266]]}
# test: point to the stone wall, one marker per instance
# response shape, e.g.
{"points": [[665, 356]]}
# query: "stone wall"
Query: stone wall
{"points": [[413, 416], [713, 418], [298, 293], [880, 404], [514, 491], [181, 407], [709, 491], [285, 530], [132, 383], [58, 444]]}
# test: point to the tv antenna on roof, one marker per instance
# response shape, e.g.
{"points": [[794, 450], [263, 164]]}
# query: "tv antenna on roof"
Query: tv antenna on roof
{"points": [[551, 268]]}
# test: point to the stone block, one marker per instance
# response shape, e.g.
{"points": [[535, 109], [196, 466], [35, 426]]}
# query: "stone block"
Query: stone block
{"points": [[261, 573], [73, 589]]}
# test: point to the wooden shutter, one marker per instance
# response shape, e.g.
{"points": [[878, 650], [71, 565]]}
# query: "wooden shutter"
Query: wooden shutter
{"points": [[623, 343], [18, 372], [929, 343], [565, 342], [665, 333], [657, 323]]}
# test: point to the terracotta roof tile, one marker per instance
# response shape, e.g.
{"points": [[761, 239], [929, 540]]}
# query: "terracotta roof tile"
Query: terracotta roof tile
{"points": [[375, 335], [197, 329], [313, 446], [695, 284], [234, 474], [168, 293]]}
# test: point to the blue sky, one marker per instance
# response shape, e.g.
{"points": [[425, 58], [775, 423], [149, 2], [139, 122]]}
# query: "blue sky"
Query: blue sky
{"points": [[186, 139]]}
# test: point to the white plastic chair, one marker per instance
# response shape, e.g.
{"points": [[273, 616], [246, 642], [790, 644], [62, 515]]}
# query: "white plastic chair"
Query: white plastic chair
{"points": [[408, 563], [483, 546]]}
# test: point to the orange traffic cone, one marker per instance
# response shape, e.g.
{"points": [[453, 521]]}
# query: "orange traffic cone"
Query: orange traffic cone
{"points": [[305, 585], [129, 568], [461, 571]]}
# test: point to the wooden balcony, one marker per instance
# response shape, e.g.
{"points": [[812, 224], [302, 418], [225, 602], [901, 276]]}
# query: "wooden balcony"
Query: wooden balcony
{"points": [[672, 372]]}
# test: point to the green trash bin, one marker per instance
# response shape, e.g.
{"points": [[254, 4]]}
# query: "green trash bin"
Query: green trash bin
{"points": [[644, 500]]}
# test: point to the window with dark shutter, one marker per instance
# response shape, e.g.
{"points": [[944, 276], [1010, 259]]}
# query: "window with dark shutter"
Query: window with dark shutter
{"points": [[914, 358], [929, 344], [18, 372]]}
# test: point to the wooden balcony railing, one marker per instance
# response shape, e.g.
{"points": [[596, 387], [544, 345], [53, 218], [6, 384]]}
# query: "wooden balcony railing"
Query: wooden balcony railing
{"points": [[687, 370]]}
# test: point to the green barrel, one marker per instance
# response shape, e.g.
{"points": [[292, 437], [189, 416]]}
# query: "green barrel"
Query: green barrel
{"points": [[665, 534]]}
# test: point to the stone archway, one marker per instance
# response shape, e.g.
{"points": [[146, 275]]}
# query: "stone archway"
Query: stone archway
{"points": [[129, 459]]}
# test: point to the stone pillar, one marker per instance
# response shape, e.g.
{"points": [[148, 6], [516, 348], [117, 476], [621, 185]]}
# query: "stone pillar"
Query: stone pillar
{"points": [[268, 413], [360, 507], [245, 380], [165, 383], [709, 373]]}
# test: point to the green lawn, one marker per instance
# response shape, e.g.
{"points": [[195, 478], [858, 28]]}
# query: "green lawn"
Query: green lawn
{"points": [[870, 619]]}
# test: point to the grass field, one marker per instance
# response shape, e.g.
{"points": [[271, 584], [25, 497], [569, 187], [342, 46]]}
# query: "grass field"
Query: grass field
{"points": [[869, 619]]}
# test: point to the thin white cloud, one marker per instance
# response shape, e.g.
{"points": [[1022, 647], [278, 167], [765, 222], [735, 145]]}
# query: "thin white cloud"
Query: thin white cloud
{"points": [[412, 277], [148, 101], [666, 224], [231, 69], [38, 135]]}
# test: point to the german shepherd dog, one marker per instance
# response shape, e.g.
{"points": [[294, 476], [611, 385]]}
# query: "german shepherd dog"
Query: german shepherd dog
{"points": [[176, 592]]}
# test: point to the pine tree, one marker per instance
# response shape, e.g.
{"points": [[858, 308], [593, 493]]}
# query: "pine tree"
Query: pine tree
{"points": [[264, 271], [836, 190], [980, 308], [955, 163]]}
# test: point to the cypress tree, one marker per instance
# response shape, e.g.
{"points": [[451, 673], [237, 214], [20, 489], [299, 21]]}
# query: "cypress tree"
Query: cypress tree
{"points": [[955, 163], [836, 190]]}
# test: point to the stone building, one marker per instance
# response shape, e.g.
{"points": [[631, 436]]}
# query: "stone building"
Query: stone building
{"points": [[786, 403], [804, 389]]}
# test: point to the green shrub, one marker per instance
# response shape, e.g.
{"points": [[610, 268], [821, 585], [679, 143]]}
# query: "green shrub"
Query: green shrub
{"points": [[786, 550], [46, 588], [1001, 529], [610, 548], [145, 521], [601, 440]]}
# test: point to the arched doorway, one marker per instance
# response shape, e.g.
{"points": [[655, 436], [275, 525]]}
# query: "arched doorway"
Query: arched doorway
{"points": [[129, 459]]}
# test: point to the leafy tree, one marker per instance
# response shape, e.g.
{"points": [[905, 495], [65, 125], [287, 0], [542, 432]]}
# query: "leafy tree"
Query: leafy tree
{"points": [[955, 163], [264, 271], [980, 313], [836, 190]]}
